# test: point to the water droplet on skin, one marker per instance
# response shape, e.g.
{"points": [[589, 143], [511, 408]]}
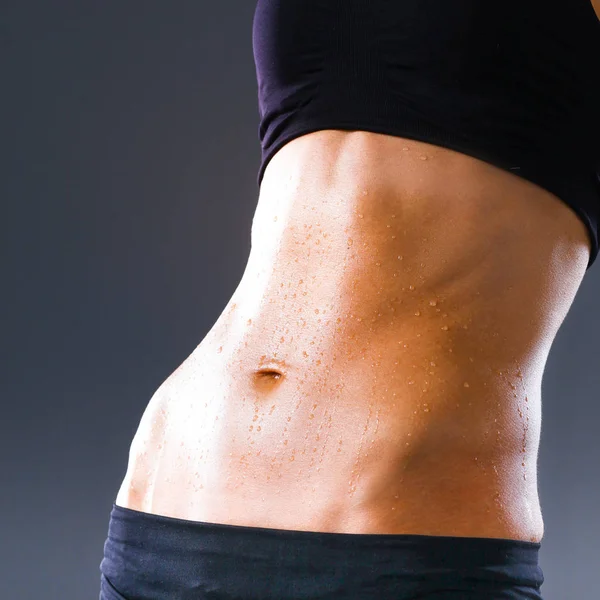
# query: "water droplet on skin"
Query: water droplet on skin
{"points": [[258, 428], [360, 216], [433, 303], [393, 237], [400, 257], [466, 384], [378, 264], [220, 350], [423, 157], [316, 311], [305, 354], [411, 382], [445, 328], [350, 241], [249, 321], [411, 287]]}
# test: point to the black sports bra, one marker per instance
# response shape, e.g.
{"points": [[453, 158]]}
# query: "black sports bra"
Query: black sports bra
{"points": [[515, 83]]}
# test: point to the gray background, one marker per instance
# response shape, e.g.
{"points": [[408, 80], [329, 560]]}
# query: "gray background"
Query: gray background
{"points": [[129, 154]]}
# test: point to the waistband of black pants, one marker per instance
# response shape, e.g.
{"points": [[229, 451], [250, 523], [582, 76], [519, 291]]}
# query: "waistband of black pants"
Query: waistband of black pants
{"points": [[152, 556]]}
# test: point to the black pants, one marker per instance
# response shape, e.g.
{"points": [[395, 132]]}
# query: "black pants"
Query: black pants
{"points": [[148, 557]]}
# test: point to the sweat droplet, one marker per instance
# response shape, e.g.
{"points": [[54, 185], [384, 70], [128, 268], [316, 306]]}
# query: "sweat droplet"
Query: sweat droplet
{"points": [[433, 303], [418, 313], [411, 287], [400, 257], [445, 328]]}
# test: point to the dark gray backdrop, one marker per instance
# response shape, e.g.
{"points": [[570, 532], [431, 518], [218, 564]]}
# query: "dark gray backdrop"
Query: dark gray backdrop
{"points": [[129, 153]]}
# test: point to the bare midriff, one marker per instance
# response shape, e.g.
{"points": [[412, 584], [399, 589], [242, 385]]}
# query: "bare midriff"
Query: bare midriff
{"points": [[378, 368]]}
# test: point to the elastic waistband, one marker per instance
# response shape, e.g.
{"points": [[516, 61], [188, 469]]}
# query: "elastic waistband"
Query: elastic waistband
{"points": [[151, 556]]}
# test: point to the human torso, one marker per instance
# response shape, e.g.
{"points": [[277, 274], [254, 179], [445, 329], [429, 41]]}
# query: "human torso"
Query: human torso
{"points": [[378, 369]]}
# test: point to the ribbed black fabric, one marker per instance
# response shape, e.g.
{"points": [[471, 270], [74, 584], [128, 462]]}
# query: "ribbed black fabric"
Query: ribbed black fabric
{"points": [[149, 557], [515, 83]]}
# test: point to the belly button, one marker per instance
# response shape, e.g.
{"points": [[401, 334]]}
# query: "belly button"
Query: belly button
{"points": [[267, 376]]}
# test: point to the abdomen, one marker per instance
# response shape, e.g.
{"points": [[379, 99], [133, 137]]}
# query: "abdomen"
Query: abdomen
{"points": [[378, 369]]}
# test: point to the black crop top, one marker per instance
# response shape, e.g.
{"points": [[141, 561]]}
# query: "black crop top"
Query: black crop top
{"points": [[515, 83]]}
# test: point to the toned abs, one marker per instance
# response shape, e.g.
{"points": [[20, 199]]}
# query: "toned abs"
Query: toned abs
{"points": [[378, 368]]}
